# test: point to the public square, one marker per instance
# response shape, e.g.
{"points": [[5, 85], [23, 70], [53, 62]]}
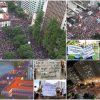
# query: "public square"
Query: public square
{"points": [[85, 21], [83, 81], [24, 32]]}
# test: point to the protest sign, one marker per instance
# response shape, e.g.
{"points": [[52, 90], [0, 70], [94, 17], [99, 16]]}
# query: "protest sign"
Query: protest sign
{"points": [[49, 89], [88, 52], [74, 49]]}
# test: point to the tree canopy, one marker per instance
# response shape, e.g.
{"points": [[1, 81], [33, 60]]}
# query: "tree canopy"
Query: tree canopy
{"points": [[9, 55], [25, 51], [54, 40]]}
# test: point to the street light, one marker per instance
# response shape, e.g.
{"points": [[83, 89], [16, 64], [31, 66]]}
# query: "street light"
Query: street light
{"points": [[29, 42]]}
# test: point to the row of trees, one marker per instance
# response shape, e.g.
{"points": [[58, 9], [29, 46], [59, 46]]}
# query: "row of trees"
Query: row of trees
{"points": [[53, 38], [12, 7], [20, 42]]}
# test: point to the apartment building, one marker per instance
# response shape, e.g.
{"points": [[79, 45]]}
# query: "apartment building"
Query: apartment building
{"points": [[55, 9], [32, 6], [74, 7], [83, 70]]}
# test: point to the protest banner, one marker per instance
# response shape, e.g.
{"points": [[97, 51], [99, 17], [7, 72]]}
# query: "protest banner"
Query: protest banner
{"points": [[88, 52], [49, 89], [74, 49]]}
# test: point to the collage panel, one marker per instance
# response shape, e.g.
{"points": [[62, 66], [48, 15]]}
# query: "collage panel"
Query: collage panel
{"points": [[32, 29], [82, 50], [83, 79], [83, 21], [49, 69], [16, 79], [50, 89], [49, 78]]}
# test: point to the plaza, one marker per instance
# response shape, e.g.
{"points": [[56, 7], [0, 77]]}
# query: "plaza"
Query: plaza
{"points": [[85, 22]]}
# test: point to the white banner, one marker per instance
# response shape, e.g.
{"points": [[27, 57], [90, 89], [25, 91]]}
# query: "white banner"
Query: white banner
{"points": [[88, 52], [74, 49], [49, 89]]}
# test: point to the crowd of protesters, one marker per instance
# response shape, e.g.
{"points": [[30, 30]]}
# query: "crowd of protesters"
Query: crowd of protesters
{"points": [[85, 24]]}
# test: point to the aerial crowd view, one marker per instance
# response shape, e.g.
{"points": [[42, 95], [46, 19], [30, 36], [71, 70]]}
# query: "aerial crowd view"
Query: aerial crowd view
{"points": [[26, 25], [84, 24]]}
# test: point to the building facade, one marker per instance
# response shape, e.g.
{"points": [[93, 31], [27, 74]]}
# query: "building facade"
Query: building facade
{"points": [[4, 16], [32, 6], [57, 10], [19, 88]]}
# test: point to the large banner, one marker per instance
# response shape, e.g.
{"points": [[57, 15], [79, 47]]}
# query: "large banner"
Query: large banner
{"points": [[88, 52], [74, 49], [49, 89], [84, 52]]}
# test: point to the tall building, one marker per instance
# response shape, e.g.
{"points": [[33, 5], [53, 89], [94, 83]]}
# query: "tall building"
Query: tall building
{"points": [[61, 84], [55, 9], [83, 70], [32, 6], [77, 6], [72, 75], [30, 71]]}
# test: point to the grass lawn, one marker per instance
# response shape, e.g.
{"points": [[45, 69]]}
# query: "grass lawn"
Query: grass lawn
{"points": [[71, 57], [96, 56]]}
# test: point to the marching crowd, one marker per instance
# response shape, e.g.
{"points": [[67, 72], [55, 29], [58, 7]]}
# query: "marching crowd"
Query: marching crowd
{"points": [[6, 45], [85, 24]]}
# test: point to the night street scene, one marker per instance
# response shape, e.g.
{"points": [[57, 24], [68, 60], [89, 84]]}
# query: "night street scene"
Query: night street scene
{"points": [[83, 79], [50, 89], [32, 29], [16, 80], [49, 69], [83, 19]]}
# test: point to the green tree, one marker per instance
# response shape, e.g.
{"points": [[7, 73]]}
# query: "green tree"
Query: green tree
{"points": [[73, 42], [12, 32], [25, 51], [96, 36], [11, 6], [19, 39], [9, 55], [37, 28], [54, 40], [20, 12]]}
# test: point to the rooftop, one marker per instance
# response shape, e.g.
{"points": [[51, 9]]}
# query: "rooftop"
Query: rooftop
{"points": [[3, 4], [20, 84], [4, 16]]}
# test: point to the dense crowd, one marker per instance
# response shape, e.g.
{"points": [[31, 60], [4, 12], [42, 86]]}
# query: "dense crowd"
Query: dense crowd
{"points": [[38, 51], [6, 45], [85, 24]]}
